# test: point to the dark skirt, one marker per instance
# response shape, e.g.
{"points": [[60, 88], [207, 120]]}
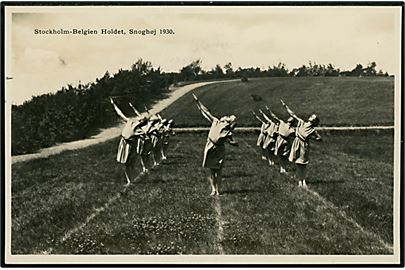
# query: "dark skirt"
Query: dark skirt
{"points": [[214, 156]]}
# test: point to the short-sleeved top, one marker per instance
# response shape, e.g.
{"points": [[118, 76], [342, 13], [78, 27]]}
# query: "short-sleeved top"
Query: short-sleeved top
{"points": [[271, 129], [131, 129], [284, 129], [219, 130], [148, 129], [304, 130]]}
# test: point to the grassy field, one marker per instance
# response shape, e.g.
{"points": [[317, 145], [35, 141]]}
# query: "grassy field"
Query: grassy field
{"points": [[338, 101], [347, 210]]}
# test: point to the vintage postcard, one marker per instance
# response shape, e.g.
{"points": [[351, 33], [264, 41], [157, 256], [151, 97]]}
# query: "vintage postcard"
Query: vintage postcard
{"points": [[165, 133]]}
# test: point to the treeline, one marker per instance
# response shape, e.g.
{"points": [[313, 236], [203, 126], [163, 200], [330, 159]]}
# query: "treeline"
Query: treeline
{"points": [[76, 112], [193, 71]]}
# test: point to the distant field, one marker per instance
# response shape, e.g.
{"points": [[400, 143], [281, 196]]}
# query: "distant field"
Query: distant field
{"points": [[169, 210], [339, 101]]}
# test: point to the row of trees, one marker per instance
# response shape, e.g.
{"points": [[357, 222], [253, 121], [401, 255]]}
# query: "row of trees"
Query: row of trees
{"points": [[76, 112], [193, 71]]}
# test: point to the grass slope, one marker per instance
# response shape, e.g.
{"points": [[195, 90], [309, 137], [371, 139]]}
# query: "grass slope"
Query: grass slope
{"points": [[338, 101], [169, 210], [356, 174]]}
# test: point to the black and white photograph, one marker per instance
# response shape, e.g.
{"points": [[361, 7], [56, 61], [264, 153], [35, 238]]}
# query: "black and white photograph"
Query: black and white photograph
{"points": [[210, 134]]}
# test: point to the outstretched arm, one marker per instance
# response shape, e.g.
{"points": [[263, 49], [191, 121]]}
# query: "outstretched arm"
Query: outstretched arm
{"points": [[119, 112], [147, 110], [266, 117], [204, 111], [135, 110], [257, 117], [290, 112], [272, 114], [159, 116]]}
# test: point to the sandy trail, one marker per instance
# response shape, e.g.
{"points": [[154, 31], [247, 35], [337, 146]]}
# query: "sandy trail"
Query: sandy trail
{"points": [[110, 133], [113, 132]]}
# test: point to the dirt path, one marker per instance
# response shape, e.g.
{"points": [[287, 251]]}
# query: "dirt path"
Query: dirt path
{"points": [[113, 132], [220, 229], [110, 133]]}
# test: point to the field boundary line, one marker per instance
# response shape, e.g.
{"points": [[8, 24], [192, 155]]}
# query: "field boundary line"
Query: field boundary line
{"points": [[337, 128], [220, 228], [113, 132], [99, 210], [342, 213]]}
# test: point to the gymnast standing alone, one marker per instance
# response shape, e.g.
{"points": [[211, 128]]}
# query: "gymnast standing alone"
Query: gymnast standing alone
{"points": [[214, 152]]}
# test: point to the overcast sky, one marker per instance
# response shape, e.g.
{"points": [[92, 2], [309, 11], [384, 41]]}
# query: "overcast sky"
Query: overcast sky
{"points": [[247, 36]]}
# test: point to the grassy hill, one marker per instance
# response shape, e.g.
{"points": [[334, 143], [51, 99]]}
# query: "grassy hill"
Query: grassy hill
{"points": [[169, 210], [75, 202], [338, 101]]}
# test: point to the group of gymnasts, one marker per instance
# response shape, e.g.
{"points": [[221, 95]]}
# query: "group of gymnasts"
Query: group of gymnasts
{"points": [[287, 141], [145, 136], [283, 141]]}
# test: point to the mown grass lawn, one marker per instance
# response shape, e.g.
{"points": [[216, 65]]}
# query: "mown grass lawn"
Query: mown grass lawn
{"points": [[338, 101], [169, 210], [356, 174]]}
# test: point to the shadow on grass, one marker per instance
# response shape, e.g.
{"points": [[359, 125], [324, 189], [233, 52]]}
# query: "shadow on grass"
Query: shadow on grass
{"points": [[237, 175], [173, 162], [241, 191]]}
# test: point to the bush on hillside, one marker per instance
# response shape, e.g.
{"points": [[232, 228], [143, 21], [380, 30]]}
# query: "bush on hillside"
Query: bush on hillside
{"points": [[74, 113]]}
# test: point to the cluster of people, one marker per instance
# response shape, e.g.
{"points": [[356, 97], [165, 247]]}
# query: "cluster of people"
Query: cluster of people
{"points": [[145, 136], [287, 141]]}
